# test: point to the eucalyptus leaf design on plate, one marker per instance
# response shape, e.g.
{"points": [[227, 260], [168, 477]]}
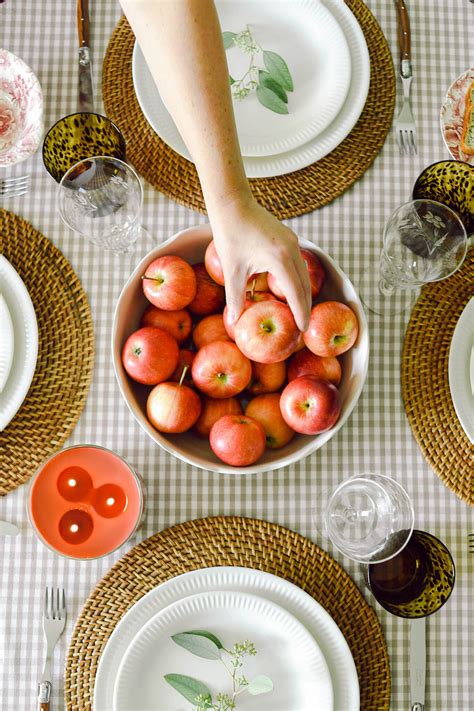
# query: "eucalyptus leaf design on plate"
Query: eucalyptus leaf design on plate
{"points": [[270, 84], [207, 646]]}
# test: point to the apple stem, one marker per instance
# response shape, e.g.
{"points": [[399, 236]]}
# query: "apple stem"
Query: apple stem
{"points": [[148, 278], [186, 367]]}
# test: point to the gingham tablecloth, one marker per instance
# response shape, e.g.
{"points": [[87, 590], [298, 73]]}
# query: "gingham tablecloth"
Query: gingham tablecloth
{"points": [[377, 438]]}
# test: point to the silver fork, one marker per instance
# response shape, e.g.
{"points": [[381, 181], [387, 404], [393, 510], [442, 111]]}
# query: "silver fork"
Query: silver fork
{"points": [[14, 187], [54, 619], [405, 124]]}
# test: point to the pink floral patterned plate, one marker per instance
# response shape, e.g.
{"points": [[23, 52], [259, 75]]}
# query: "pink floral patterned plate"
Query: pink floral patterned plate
{"points": [[21, 110], [452, 116]]}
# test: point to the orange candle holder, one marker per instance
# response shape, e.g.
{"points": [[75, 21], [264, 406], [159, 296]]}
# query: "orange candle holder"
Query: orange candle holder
{"points": [[85, 502]]}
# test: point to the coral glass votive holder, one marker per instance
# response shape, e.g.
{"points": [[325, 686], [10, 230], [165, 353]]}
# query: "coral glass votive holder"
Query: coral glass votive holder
{"points": [[85, 502]]}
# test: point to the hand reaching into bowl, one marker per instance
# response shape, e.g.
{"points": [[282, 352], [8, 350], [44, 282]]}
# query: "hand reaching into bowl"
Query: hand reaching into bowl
{"points": [[182, 44]]}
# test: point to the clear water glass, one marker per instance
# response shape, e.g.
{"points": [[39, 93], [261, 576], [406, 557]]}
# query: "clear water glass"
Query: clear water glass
{"points": [[101, 199], [424, 241], [369, 518]]}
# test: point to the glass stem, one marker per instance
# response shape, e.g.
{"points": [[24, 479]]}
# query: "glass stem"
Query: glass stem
{"points": [[385, 288]]}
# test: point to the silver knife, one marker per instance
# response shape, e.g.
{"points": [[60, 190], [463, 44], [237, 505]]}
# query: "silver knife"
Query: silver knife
{"points": [[86, 95], [417, 663]]}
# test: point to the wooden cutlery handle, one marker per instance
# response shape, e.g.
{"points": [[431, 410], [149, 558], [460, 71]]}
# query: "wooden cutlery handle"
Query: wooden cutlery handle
{"points": [[83, 22], [44, 706], [403, 30]]}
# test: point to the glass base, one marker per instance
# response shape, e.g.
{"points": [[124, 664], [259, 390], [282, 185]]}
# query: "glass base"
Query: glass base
{"points": [[142, 244], [380, 299]]}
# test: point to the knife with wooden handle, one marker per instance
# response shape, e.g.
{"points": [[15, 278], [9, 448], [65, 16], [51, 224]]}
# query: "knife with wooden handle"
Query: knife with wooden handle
{"points": [[86, 96], [404, 39], [417, 663]]}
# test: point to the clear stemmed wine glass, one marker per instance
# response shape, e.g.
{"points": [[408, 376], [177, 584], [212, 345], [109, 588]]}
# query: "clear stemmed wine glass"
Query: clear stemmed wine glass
{"points": [[369, 518], [423, 241], [101, 198]]}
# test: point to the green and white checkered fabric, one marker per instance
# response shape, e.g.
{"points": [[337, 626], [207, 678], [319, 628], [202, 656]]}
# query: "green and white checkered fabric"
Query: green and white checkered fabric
{"points": [[377, 437]]}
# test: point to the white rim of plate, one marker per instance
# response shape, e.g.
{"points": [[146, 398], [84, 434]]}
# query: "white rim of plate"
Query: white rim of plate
{"points": [[20, 306], [315, 618], [322, 144], [34, 116], [7, 341], [315, 672], [449, 104], [459, 369]]}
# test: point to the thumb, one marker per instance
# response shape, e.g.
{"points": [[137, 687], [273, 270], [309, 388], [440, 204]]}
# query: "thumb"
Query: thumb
{"points": [[235, 284]]}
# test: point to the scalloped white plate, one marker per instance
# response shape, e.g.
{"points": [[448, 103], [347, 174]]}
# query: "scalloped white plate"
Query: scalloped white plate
{"points": [[301, 605], [286, 652], [299, 157], [459, 369], [25, 333]]}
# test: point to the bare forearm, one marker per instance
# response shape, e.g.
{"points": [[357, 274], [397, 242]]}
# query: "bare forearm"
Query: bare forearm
{"points": [[181, 42]]}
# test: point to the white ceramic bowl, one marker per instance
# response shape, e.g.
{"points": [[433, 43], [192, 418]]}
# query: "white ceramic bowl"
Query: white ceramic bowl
{"points": [[191, 245], [21, 110]]}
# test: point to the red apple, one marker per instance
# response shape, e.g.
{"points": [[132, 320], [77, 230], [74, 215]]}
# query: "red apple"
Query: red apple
{"points": [[315, 271], [150, 355], [172, 407], [185, 360], [257, 282], [252, 297], [267, 377], [177, 323], [266, 332], [210, 329], [238, 440], [332, 330], [169, 283], [266, 410], [210, 297], [309, 405], [220, 370], [213, 410], [307, 363]]}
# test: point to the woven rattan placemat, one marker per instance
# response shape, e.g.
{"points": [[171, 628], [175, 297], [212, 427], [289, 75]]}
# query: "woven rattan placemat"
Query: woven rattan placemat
{"points": [[65, 352], [285, 195], [425, 382], [229, 541]]}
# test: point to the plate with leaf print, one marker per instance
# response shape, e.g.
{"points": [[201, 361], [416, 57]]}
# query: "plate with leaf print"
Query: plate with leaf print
{"points": [[452, 116], [222, 648], [313, 147]]}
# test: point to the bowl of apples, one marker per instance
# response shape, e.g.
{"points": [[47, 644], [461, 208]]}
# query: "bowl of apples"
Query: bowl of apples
{"points": [[238, 398]]}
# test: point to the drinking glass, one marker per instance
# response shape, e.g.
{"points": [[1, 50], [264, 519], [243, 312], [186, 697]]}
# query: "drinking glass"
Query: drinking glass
{"points": [[423, 241], [101, 199], [369, 518], [78, 136], [417, 581]]}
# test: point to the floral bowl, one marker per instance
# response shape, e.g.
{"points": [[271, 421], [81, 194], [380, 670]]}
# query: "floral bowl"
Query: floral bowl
{"points": [[191, 245], [21, 110]]}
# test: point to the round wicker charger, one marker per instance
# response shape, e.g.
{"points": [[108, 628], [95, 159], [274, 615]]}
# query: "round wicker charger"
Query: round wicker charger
{"points": [[425, 383], [229, 541], [285, 195], [63, 373]]}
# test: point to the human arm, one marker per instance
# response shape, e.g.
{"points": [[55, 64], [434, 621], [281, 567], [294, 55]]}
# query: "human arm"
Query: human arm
{"points": [[182, 44]]}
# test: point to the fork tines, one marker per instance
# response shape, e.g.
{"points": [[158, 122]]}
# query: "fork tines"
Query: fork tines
{"points": [[406, 142], [54, 604], [14, 187]]}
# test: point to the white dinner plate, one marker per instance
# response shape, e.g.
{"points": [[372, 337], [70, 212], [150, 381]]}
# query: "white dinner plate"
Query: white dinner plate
{"points": [[301, 605], [7, 342], [300, 156], [460, 354], [286, 652], [25, 334]]}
